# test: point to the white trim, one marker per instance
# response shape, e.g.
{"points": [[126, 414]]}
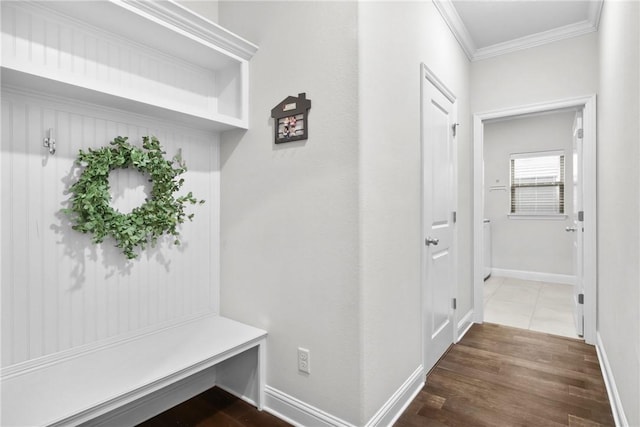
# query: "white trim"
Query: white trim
{"points": [[167, 14], [536, 108], [588, 103], [297, 412], [570, 109], [533, 40], [590, 223], [541, 153], [458, 28], [535, 276], [478, 219], [544, 217], [455, 252], [192, 24], [612, 391], [61, 356], [595, 12], [464, 325], [393, 408], [434, 80]]}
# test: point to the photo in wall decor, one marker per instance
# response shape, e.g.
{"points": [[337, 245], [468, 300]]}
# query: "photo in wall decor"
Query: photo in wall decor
{"points": [[291, 119]]}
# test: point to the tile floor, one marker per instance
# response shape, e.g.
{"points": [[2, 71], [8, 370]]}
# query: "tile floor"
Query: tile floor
{"points": [[537, 306]]}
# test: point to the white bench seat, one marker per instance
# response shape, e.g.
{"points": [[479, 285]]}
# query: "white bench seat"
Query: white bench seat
{"points": [[80, 388]]}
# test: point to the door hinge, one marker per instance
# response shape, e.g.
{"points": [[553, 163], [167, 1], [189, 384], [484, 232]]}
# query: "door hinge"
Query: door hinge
{"points": [[581, 216], [455, 217], [580, 298], [580, 133], [454, 127], [454, 304]]}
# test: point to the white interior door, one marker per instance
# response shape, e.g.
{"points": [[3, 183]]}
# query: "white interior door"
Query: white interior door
{"points": [[438, 129], [577, 228]]}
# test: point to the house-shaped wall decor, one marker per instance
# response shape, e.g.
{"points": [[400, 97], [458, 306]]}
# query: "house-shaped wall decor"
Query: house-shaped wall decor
{"points": [[291, 119]]}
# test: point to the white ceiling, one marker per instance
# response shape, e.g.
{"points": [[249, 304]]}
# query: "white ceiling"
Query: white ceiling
{"points": [[487, 28]]}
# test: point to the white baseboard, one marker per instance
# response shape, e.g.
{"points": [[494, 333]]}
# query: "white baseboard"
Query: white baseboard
{"points": [[297, 412], [301, 414], [464, 325], [614, 398], [535, 276], [399, 401]]}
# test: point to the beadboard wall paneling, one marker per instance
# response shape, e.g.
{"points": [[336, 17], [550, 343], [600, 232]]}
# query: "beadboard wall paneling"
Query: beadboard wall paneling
{"points": [[60, 291], [49, 44]]}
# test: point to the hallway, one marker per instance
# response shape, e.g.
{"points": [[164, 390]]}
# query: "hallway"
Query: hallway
{"points": [[495, 376], [498, 375], [321, 250]]}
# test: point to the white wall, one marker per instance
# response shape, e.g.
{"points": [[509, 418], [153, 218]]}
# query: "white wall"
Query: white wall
{"points": [[60, 291], [290, 211], [321, 239], [206, 8], [533, 245], [295, 260], [563, 69], [619, 199], [394, 38]]}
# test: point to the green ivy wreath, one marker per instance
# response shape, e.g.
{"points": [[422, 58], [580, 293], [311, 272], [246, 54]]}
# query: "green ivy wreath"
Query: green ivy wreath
{"points": [[91, 211]]}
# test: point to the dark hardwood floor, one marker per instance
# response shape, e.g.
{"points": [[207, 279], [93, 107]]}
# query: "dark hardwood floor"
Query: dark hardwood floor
{"points": [[495, 376], [502, 376], [214, 408]]}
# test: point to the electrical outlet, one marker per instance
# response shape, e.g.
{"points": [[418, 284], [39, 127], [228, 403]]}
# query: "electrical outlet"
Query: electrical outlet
{"points": [[304, 360]]}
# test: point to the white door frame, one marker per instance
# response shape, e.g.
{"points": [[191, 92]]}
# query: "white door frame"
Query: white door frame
{"points": [[588, 103], [428, 75]]}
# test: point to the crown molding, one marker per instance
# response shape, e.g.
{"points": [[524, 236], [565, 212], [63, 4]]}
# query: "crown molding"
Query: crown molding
{"points": [[459, 30], [452, 18], [538, 39], [191, 23], [594, 12]]}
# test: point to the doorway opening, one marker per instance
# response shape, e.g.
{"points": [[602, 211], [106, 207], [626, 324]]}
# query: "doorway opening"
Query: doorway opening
{"points": [[580, 278], [529, 196]]}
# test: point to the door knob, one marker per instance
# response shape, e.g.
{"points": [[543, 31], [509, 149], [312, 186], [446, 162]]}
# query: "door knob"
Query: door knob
{"points": [[431, 241], [571, 229]]}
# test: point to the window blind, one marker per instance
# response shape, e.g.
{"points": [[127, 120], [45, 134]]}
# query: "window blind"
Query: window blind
{"points": [[537, 184]]}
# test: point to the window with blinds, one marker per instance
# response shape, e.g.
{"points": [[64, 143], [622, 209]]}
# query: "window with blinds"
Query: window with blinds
{"points": [[537, 183]]}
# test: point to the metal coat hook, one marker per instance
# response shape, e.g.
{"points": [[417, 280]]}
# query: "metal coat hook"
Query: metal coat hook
{"points": [[455, 127], [50, 142]]}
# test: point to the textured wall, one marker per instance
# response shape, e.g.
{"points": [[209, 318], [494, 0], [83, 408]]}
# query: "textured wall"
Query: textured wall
{"points": [[290, 211], [619, 200], [332, 226], [395, 37], [553, 71]]}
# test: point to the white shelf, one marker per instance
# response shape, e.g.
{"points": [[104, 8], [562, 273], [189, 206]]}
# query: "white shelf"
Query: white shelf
{"points": [[152, 58]]}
